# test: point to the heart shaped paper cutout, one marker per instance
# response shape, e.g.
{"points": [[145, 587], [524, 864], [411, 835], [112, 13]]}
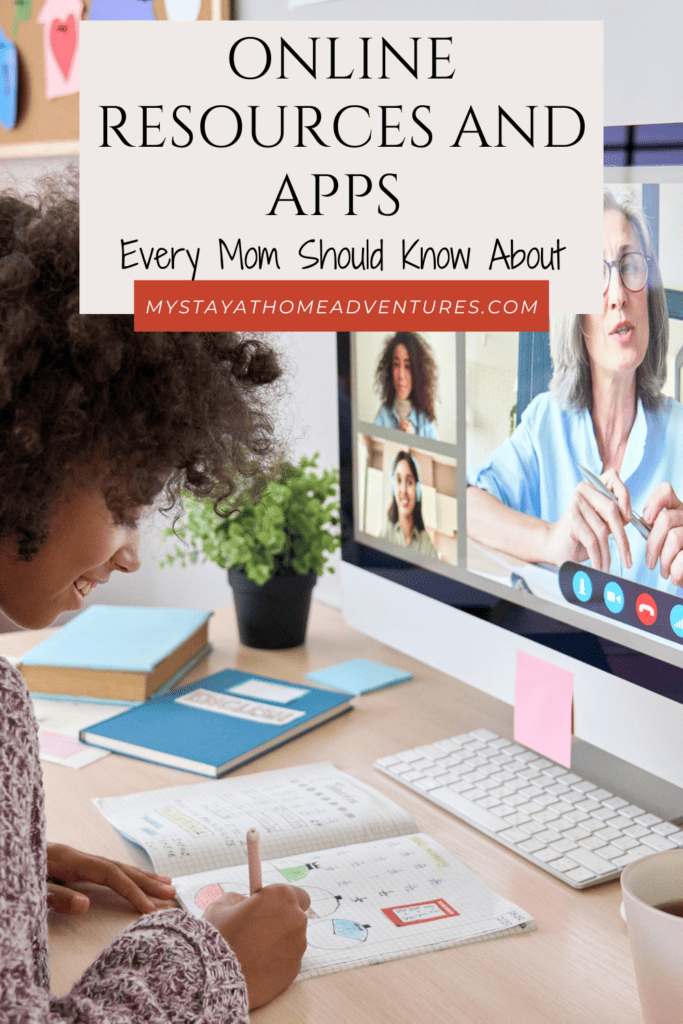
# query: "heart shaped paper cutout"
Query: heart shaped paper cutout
{"points": [[63, 41]]}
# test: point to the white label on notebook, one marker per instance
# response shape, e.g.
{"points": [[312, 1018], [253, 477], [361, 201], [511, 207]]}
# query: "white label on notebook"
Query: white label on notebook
{"points": [[268, 691], [238, 707]]}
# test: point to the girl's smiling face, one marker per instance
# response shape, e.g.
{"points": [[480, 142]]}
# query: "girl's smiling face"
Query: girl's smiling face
{"points": [[84, 546]]}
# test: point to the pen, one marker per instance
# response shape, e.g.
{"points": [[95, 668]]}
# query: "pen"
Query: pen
{"points": [[254, 861], [595, 482]]}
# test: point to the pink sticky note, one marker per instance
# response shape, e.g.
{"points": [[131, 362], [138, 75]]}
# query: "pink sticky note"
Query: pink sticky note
{"points": [[543, 707]]}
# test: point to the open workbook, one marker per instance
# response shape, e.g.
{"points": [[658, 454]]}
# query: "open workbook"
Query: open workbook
{"points": [[379, 889]]}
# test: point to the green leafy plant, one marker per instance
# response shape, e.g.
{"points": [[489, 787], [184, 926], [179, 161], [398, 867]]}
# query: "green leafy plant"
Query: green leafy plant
{"points": [[291, 528]]}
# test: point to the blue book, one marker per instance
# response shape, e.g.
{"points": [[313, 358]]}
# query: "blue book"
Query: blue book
{"points": [[219, 723], [116, 652]]}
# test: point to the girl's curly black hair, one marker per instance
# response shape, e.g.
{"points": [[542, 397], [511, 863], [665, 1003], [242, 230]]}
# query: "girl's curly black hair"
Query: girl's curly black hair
{"points": [[422, 367], [148, 412]]}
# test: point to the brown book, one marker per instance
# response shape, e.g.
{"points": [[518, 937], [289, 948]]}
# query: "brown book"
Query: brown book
{"points": [[117, 652]]}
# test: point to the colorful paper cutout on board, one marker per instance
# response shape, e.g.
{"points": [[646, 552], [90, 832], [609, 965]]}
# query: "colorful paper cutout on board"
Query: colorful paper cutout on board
{"points": [[543, 707], [8, 82], [61, 21], [22, 12], [121, 10], [182, 10]]}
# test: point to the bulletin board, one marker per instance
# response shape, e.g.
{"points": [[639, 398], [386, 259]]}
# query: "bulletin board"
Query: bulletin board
{"points": [[49, 127]]}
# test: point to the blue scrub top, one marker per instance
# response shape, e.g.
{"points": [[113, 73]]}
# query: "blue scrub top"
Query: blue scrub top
{"points": [[535, 470], [424, 427]]}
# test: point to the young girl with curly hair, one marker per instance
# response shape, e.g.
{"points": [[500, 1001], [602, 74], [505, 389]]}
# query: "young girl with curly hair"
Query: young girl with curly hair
{"points": [[96, 422]]}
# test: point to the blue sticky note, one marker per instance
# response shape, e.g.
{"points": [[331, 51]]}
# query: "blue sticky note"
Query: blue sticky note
{"points": [[359, 676], [8, 82]]}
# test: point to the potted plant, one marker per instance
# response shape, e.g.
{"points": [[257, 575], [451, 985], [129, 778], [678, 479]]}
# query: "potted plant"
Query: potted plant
{"points": [[274, 548]]}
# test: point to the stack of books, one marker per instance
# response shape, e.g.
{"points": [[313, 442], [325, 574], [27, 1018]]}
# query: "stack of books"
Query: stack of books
{"points": [[113, 652]]}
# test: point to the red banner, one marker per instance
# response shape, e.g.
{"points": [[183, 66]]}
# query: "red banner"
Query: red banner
{"points": [[341, 305]]}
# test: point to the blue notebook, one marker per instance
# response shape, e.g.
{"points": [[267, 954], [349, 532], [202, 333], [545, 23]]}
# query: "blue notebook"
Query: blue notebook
{"points": [[219, 723], [118, 652]]}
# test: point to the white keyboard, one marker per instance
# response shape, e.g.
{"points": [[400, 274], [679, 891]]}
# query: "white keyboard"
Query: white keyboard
{"points": [[568, 826]]}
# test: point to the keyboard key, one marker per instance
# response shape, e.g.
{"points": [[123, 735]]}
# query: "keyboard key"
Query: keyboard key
{"points": [[625, 843], [580, 874], [590, 860], [431, 751], [530, 774], [484, 734], [446, 745], [503, 776], [615, 802], [533, 827], [426, 784], [474, 762], [665, 828], [515, 748], [500, 742], [409, 755], [636, 831], [502, 759], [463, 807], [635, 854], [498, 809], [631, 811], [572, 797], [424, 762], [588, 805], [676, 838], [649, 820], [563, 864], [620, 822], [658, 843], [601, 794], [603, 813], [541, 763], [608, 833], [525, 756], [585, 787], [564, 825], [501, 791], [515, 818], [570, 778], [577, 833], [593, 824], [513, 835], [545, 799], [577, 816], [554, 771], [411, 776], [548, 836], [474, 794], [558, 789], [531, 791], [609, 852], [488, 802], [545, 815], [531, 845], [563, 845], [546, 854], [473, 777], [434, 771], [592, 843], [384, 762]]}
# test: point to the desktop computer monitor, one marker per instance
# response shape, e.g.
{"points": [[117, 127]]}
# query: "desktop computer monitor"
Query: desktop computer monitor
{"points": [[426, 419]]}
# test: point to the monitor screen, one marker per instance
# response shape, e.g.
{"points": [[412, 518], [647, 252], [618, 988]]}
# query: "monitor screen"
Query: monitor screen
{"points": [[536, 480]]}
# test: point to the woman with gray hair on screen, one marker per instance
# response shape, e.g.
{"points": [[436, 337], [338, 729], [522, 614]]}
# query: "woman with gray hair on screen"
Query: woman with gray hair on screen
{"points": [[605, 411]]}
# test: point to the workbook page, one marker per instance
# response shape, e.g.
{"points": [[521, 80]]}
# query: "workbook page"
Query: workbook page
{"points": [[375, 901], [197, 828]]}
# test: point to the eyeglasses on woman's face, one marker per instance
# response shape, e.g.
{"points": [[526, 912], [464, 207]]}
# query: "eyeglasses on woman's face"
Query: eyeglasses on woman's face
{"points": [[632, 268]]}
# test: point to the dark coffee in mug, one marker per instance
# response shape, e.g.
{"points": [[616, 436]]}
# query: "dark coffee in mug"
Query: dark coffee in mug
{"points": [[674, 907]]}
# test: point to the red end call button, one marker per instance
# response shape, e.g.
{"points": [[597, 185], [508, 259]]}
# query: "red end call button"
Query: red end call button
{"points": [[646, 610]]}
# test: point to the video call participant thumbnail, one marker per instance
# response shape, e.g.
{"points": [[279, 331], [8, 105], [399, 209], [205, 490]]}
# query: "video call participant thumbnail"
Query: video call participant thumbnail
{"points": [[405, 525], [605, 410], [406, 378]]}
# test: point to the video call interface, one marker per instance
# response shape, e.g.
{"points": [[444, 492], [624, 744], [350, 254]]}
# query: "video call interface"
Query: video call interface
{"points": [[563, 486]]}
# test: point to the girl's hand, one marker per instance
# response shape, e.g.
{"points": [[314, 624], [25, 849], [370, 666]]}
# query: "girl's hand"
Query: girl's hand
{"points": [[267, 934], [66, 865], [406, 426]]}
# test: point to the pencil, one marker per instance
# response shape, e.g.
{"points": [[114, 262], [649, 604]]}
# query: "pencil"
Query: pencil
{"points": [[254, 861]]}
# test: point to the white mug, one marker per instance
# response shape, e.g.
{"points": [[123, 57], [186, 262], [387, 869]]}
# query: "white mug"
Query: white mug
{"points": [[656, 936]]}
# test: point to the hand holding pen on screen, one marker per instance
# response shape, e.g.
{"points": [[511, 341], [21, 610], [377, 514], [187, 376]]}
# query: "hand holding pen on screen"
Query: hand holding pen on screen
{"points": [[664, 514], [592, 515]]}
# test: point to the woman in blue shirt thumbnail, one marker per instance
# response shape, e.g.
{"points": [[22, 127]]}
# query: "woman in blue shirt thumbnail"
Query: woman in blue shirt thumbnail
{"points": [[406, 378], [605, 410]]}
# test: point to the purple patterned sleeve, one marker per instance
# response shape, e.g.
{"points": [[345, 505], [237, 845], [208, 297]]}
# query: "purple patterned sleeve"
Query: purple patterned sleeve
{"points": [[167, 968]]}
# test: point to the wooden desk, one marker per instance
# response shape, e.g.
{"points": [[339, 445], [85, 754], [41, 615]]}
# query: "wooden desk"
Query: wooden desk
{"points": [[575, 969]]}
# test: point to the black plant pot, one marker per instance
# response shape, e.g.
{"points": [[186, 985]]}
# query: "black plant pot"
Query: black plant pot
{"points": [[274, 615]]}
